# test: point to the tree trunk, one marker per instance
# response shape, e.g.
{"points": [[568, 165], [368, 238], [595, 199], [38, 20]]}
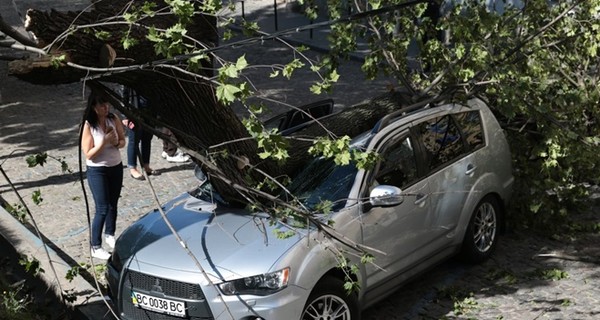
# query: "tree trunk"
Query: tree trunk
{"points": [[183, 103]]}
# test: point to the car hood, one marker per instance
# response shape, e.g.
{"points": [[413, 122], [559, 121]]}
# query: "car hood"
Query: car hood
{"points": [[228, 243]]}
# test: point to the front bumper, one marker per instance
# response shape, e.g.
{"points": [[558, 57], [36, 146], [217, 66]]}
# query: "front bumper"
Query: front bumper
{"points": [[203, 302]]}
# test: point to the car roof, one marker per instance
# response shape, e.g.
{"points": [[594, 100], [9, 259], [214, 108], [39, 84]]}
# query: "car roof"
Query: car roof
{"points": [[411, 113]]}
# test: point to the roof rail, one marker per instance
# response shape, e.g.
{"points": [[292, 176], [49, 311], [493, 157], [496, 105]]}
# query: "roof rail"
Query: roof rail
{"points": [[385, 120]]}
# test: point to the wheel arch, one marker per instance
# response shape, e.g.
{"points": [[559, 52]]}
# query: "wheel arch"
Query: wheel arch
{"points": [[485, 186], [340, 274], [332, 283]]}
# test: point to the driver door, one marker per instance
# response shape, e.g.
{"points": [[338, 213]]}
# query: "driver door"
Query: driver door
{"points": [[399, 231]]}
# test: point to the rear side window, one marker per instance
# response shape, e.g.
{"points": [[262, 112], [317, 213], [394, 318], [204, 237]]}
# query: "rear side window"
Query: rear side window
{"points": [[470, 125], [442, 141], [449, 137]]}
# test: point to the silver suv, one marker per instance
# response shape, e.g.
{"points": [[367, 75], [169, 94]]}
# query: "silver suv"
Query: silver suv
{"points": [[440, 189]]}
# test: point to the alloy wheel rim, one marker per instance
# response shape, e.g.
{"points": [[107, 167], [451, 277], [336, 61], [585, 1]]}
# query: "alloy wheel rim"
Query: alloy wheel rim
{"points": [[484, 234], [327, 307]]}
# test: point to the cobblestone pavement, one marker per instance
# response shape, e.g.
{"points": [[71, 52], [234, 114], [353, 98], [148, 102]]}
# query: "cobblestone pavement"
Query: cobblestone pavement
{"points": [[529, 277]]}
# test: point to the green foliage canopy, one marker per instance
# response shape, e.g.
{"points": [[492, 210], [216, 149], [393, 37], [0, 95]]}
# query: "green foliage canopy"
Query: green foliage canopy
{"points": [[535, 63]]}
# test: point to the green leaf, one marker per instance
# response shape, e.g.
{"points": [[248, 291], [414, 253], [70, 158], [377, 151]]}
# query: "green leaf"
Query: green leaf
{"points": [[36, 196], [57, 61], [128, 42], [316, 88], [232, 70], [289, 68], [241, 63], [325, 207], [184, 10], [367, 258], [130, 17], [535, 207], [102, 35], [256, 108], [37, 159], [334, 76], [250, 29], [342, 158], [153, 35], [149, 8], [264, 154], [226, 93], [375, 4]]}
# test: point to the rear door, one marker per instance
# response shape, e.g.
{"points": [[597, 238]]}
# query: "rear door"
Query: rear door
{"points": [[448, 142]]}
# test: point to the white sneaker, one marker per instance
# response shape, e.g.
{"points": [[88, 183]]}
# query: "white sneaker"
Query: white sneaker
{"points": [[100, 253], [110, 241], [164, 155], [178, 157]]}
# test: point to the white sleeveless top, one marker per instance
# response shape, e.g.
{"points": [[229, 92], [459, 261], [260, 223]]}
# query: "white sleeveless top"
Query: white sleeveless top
{"points": [[110, 155]]}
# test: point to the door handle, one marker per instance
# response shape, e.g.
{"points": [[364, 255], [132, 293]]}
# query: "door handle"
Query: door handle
{"points": [[470, 169], [421, 198]]}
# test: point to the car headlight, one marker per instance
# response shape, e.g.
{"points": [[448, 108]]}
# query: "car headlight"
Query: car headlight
{"points": [[260, 285]]}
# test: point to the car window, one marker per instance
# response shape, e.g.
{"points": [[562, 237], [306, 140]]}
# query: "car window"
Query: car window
{"points": [[323, 180], [301, 115], [442, 140], [398, 166], [470, 124], [315, 111], [206, 192]]}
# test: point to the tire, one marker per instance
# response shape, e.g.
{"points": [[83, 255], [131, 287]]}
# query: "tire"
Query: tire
{"points": [[482, 233], [329, 300]]}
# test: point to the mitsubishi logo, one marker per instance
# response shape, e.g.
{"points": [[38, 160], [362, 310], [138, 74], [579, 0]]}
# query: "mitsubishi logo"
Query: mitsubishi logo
{"points": [[156, 287]]}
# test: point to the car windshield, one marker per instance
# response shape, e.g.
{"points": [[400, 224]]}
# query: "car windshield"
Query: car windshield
{"points": [[323, 180], [206, 192]]}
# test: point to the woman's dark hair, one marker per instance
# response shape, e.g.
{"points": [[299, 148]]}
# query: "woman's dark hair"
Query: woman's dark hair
{"points": [[91, 116]]}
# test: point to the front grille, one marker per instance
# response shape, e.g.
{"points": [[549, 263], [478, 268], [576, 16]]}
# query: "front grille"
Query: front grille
{"points": [[169, 287], [197, 307]]}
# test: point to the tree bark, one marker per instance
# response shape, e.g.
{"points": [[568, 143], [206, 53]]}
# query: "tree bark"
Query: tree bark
{"points": [[178, 101], [183, 103]]}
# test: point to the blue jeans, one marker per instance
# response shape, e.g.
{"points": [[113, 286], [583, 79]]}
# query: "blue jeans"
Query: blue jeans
{"points": [[142, 138], [105, 184]]}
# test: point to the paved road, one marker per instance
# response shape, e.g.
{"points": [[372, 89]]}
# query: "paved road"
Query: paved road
{"points": [[515, 284]]}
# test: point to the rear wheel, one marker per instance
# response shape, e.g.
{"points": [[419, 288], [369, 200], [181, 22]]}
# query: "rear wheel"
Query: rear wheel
{"points": [[481, 237], [329, 301]]}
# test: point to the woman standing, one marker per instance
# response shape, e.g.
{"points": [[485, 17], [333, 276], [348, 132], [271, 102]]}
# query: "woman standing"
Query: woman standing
{"points": [[101, 139]]}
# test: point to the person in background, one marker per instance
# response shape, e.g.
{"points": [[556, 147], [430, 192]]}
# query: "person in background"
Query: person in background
{"points": [[170, 151], [139, 140], [101, 139]]}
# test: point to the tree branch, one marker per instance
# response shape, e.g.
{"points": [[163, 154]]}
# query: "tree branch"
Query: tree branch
{"points": [[16, 35]]}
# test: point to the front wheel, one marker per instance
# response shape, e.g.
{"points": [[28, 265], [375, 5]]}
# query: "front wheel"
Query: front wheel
{"points": [[481, 237], [329, 301]]}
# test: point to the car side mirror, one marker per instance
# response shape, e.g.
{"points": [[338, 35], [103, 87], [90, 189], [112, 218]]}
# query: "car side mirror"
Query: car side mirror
{"points": [[385, 196]]}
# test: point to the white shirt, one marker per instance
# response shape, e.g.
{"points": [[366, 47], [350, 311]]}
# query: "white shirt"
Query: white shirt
{"points": [[110, 155]]}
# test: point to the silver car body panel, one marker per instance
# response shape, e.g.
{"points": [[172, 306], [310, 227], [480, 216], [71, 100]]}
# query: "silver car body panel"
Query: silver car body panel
{"points": [[425, 228]]}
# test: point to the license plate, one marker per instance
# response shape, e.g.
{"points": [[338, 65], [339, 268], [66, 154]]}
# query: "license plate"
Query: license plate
{"points": [[156, 304]]}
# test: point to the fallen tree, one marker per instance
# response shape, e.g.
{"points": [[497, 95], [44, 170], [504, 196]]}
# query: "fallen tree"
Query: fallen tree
{"points": [[90, 43], [534, 63], [94, 45]]}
